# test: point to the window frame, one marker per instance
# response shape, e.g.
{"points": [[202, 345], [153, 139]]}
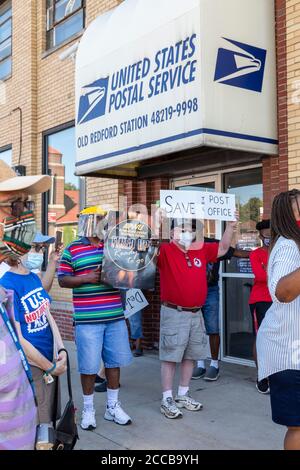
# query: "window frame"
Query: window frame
{"points": [[45, 168], [54, 23], [7, 148], [10, 18]]}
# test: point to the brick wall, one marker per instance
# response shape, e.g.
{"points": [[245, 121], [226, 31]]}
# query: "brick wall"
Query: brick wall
{"points": [[275, 169], [293, 86]]}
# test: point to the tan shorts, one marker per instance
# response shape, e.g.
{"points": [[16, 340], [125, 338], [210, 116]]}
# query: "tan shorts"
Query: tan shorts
{"points": [[45, 396], [182, 335]]}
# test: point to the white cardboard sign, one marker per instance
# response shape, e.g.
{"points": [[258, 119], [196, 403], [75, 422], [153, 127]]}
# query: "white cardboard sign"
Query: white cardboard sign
{"points": [[135, 301], [198, 205]]}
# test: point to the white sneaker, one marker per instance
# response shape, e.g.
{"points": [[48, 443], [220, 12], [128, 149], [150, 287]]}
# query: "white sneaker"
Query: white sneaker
{"points": [[187, 402], [117, 414], [169, 409], [88, 420]]}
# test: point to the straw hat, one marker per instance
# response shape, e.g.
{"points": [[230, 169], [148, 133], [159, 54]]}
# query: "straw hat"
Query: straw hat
{"points": [[9, 181]]}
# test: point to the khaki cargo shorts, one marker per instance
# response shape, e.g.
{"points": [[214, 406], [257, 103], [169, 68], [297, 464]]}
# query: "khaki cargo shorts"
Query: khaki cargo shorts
{"points": [[182, 335]]}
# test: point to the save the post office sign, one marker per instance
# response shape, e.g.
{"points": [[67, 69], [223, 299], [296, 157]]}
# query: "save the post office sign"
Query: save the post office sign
{"points": [[198, 205]]}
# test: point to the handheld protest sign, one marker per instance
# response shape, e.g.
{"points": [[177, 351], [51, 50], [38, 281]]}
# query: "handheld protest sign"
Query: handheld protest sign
{"points": [[198, 205], [129, 256], [135, 301]]}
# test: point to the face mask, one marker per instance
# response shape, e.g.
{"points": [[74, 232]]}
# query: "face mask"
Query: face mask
{"points": [[186, 239], [34, 261], [267, 241]]}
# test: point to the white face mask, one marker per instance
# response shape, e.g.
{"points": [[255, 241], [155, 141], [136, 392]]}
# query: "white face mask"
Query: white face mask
{"points": [[34, 261], [186, 239]]}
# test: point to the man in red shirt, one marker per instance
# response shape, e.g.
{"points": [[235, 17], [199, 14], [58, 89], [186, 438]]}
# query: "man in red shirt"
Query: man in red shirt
{"points": [[182, 266], [260, 299]]}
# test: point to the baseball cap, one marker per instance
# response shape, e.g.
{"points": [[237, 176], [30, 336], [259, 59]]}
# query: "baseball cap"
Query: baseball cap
{"points": [[40, 238]]}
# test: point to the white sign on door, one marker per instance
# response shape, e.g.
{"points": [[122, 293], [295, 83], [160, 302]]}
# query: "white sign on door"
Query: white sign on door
{"points": [[135, 301], [198, 205]]}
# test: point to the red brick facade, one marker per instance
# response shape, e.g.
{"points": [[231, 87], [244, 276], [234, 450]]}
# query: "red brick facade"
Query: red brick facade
{"points": [[275, 170]]}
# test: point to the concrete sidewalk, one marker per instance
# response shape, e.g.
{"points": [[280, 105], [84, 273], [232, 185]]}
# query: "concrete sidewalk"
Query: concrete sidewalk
{"points": [[235, 415]]}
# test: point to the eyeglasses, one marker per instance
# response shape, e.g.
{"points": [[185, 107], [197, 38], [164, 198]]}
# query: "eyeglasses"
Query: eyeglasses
{"points": [[22, 205], [19, 206], [189, 263]]}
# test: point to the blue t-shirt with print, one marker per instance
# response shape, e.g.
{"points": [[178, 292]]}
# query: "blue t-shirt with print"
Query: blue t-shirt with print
{"points": [[31, 303]]}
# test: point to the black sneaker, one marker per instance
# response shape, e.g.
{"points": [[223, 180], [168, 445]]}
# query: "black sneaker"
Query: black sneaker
{"points": [[263, 386], [99, 379], [102, 387]]}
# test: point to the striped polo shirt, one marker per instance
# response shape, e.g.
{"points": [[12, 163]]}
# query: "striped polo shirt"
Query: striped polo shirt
{"points": [[93, 303]]}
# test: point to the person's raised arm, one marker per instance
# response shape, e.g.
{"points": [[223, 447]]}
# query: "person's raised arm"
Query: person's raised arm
{"points": [[227, 238], [244, 254], [48, 278]]}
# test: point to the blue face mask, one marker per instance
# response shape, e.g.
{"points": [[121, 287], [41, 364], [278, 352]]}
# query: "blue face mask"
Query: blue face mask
{"points": [[34, 261]]}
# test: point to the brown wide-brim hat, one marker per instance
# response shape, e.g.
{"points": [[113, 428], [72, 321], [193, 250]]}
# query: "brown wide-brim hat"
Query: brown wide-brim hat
{"points": [[10, 182]]}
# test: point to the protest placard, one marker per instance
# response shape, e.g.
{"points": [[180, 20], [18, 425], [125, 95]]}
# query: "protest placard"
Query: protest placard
{"points": [[129, 256], [135, 301], [198, 205]]}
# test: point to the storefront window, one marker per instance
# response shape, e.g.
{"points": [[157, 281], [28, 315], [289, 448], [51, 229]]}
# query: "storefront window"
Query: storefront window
{"points": [[67, 193], [65, 18], [5, 39], [6, 155]]}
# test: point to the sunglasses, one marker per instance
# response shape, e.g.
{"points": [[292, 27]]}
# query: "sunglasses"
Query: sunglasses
{"points": [[19, 206], [38, 248], [22, 205]]}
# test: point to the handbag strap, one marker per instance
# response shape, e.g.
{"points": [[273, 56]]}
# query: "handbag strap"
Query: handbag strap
{"points": [[14, 337], [68, 373], [55, 407]]}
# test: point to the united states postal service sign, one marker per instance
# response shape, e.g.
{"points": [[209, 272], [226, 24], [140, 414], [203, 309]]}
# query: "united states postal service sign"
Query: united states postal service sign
{"points": [[155, 77], [138, 83]]}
